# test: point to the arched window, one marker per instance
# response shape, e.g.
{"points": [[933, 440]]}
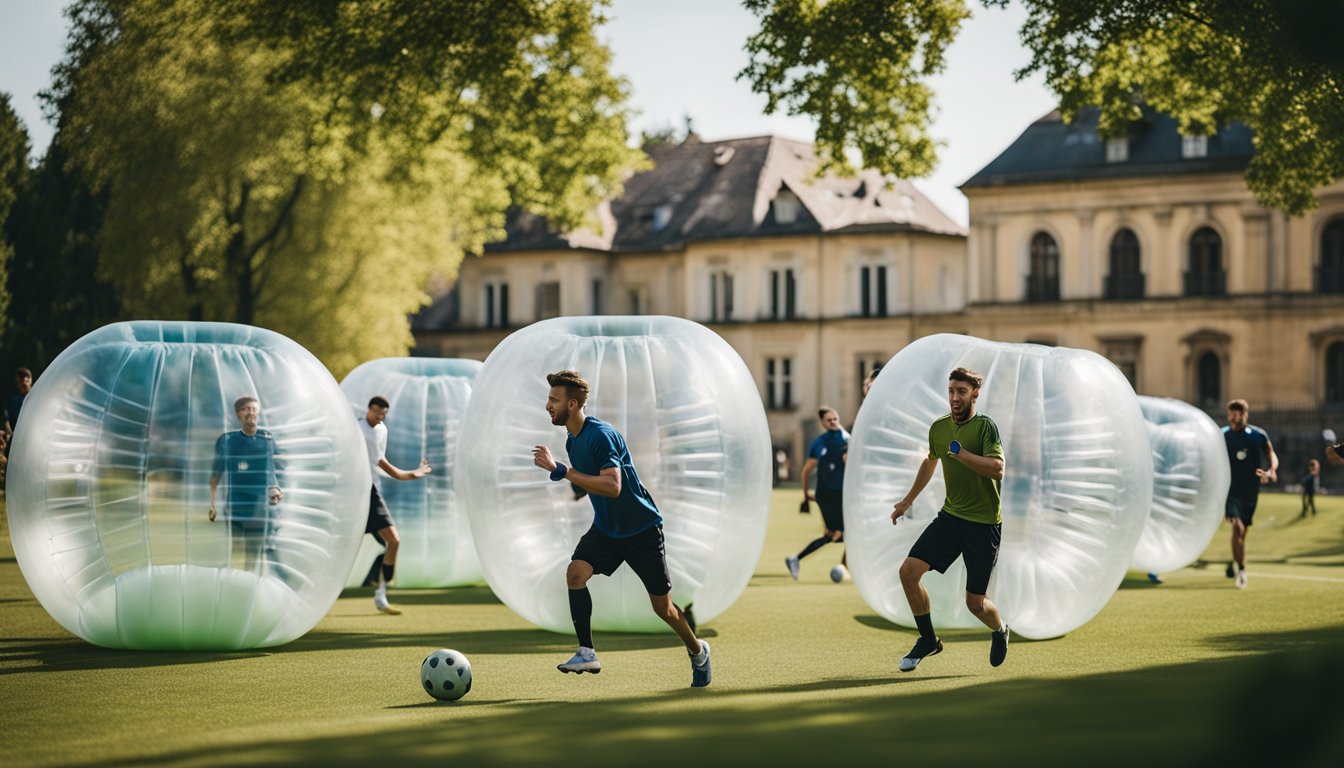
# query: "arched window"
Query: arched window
{"points": [[1334, 373], [1210, 381], [1126, 278], [1205, 276], [1043, 279], [1330, 272]]}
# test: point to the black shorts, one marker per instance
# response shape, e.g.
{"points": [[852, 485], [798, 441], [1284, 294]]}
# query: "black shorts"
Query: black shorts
{"points": [[948, 537], [644, 552], [379, 517], [1241, 508], [832, 509]]}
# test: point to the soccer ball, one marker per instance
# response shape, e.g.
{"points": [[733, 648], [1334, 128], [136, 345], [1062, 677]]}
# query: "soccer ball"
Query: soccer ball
{"points": [[838, 573], [446, 675]]}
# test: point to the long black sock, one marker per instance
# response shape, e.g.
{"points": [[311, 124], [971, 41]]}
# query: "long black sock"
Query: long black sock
{"points": [[388, 570], [925, 624], [581, 611], [371, 580], [814, 546]]}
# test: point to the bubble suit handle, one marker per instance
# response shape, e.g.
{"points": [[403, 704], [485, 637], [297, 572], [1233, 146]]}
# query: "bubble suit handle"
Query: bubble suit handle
{"points": [[1075, 495], [693, 421]]}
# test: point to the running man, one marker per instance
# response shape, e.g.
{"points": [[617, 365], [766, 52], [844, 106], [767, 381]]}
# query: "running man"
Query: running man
{"points": [[827, 454], [626, 525], [968, 526], [380, 523], [1245, 445], [245, 459]]}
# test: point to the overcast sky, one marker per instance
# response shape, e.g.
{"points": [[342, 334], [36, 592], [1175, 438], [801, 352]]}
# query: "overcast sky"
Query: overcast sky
{"points": [[682, 59]]}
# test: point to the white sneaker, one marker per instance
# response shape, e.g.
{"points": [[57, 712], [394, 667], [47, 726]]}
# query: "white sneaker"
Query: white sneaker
{"points": [[584, 660], [1241, 579], [791, 563], [380, 602]]}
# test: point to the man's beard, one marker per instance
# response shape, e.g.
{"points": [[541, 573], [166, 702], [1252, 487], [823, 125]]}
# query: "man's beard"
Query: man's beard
{"points": [[560, 417]]}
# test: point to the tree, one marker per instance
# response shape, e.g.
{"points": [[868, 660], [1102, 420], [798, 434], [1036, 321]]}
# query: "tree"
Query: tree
{"points": [[14, 147], [1274, 65]]}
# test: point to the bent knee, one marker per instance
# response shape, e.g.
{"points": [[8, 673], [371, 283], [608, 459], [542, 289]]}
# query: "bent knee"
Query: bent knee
{"points": [[912, 569], [976, 603], [390, 537], [576, 576]]}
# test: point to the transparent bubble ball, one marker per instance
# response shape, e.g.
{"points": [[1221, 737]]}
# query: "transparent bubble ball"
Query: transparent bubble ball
{"points": [[1075, 495], [693, 421], [428, 398], [1191, 478], [109, 488]]}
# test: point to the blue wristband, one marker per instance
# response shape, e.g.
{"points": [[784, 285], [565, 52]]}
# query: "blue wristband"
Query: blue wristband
{"points": [[954, 448], [559, 472]]}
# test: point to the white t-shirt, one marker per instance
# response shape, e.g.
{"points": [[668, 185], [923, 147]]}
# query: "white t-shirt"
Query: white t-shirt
{"points": [[375, 440]]}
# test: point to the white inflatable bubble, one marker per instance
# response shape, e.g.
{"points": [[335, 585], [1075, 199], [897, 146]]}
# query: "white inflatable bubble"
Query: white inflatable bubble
{"points": [[109, 488], [693, 422], [428, 397], [1190, 482], [1074, 498]]}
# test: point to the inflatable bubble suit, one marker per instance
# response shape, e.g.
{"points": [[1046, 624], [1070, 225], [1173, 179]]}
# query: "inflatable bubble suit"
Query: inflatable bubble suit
{"points": [[109, 488], [428, 397], [693, 421], [1190, 482], [1075, 494]]}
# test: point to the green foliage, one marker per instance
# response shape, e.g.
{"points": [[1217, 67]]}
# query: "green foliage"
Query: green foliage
{"points": [[14, 148]]}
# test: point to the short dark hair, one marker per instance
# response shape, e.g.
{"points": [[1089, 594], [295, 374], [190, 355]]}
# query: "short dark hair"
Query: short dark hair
{"points": [[379, 401], [825, 409], [575, 387], [872, 374], [1238, 405], [243, 401], [968, 376], [22, 373]]}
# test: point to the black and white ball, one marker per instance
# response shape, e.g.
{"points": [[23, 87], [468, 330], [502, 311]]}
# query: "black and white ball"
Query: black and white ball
{"points": [[446, 675]]}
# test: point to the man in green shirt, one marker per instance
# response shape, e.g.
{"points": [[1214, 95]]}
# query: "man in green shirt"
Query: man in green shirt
{"points": [[969, 525]]}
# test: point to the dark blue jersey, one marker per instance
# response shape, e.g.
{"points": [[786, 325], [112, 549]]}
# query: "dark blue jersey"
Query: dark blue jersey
{"points": [[829, 450], [599, 446], [1245, 448], [247, 468], [12, 409]]}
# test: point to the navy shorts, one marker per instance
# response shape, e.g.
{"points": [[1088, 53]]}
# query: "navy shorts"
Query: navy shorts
{"points": [[832, 509], [949, 537], [644, 553], [379, 517], [1241, 508]]}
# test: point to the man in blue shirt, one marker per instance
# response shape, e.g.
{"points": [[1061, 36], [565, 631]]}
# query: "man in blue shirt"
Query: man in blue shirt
{"points": [[1245, 445], [245, 460], [827, 456], [626, 525]]}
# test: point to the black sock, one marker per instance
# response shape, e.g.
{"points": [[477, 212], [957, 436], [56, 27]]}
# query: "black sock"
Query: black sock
{"points": [[925, 624], [814, 546], [371, 580], [581, 611], [388, 570]]}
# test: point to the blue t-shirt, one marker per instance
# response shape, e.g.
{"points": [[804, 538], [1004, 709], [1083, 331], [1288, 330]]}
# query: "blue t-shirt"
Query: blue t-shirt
{"points": [[1245, 447], [247, 466], [829, 450], [597, 447]]}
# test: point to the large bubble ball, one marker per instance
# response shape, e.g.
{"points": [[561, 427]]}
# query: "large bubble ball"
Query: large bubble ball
{"points": [[428, 397], [696, 430], [110, 488], [1191, 477], [1075, 494]]}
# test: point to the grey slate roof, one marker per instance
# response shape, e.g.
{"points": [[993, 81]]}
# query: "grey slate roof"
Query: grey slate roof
{"points": [[724, 189], [1052, 150]]}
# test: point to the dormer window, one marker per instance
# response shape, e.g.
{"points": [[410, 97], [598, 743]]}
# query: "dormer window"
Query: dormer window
{"points": [[1194, 146], [661, 216], [1117, 150], [787, 206]]}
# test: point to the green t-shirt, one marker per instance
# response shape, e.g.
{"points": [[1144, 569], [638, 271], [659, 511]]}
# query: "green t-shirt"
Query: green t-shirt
{"points": [[970, 495]]}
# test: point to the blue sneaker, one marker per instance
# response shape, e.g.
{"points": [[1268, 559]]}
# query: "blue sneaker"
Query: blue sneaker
{"points": [[700, 671], [585, 660], [1153, 577]]}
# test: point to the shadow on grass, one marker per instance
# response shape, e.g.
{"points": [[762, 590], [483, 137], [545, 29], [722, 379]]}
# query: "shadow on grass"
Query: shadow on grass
{"points": [[496, 640], [1287, 713], [454, 596], [948, 636], [71, 654]]}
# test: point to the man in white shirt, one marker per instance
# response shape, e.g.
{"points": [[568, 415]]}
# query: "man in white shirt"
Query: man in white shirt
{"points": [[380, 520]]}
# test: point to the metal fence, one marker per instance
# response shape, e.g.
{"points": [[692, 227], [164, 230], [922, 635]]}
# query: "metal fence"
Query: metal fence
{"points": [[1296, 435]]}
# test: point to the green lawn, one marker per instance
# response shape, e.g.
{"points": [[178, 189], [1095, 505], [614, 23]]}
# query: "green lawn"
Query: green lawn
{"points": [[1193, 672]]}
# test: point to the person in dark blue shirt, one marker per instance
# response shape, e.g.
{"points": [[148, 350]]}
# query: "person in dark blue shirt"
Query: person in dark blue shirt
{"points": [[245, 462], [827, 455], [627, 527], [23, 384], [1246, 445]]}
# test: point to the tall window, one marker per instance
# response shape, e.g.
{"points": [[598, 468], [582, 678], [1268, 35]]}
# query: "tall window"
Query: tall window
{"points": [[778, 382], [1334, 373], [1206, 277], [548, 300], [637, 303], [597, 297], [496, 305], [1330, 272], [720, 296], [1126, 278], [1124, 352], [1043, 279], [866, 363], [873, 291], [1194, 146], [1209, 373], [783, 294], [1117, 150]]}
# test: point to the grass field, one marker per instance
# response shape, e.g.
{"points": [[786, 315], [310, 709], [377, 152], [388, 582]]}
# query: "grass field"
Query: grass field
{"points": [[1192, 672]]}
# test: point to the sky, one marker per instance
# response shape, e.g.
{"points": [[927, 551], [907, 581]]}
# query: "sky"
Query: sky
{"points": [[682, 59]]}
